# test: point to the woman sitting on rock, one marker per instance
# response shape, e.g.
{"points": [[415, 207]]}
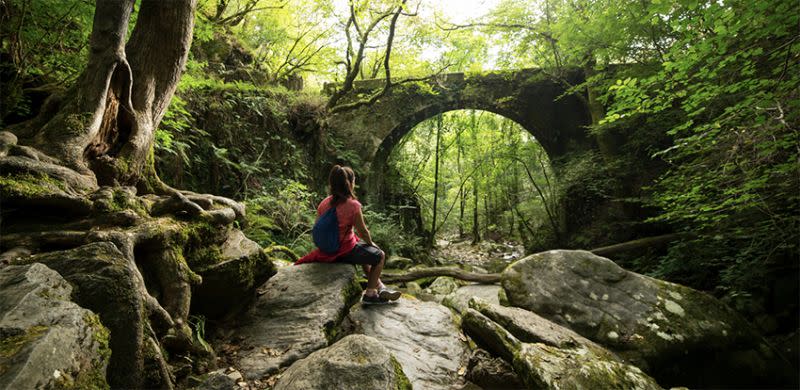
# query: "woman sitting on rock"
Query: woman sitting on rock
{"points": [[352, 250]]}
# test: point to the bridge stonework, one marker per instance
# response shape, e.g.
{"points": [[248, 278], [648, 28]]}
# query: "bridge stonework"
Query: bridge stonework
{"points": [[528, 97]]}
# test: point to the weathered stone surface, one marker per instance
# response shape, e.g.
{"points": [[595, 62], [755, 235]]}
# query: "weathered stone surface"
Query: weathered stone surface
{"points": [[679, 335], [526, 96], [105, 284], [421, 335], [354, 362], [458, 300], [529, 327], [442, 286], [490, 372], [219, 380], [46, 340], [543, 366], [232, 282], [298, 313]]}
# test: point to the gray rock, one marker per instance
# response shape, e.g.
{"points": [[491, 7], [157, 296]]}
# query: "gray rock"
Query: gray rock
{"points": [[398, 262], [298, 313], [47, 340], [443, 285], [458, 300], [105, 283], [529, 327], [231, 283], [542, 366], [7, 138], [421, 335], [678, 335], [354, 362], [218, 380]]}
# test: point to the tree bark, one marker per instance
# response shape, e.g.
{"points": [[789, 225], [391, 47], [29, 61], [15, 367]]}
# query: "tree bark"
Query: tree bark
{"points": [[436, 179], [655, 242], [105, 127]]}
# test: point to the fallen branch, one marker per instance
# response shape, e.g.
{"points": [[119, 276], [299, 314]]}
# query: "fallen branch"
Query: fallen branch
{"points": [[655, 242], [440, 271]]}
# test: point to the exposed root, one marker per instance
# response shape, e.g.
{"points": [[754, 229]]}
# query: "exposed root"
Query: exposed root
{"points": [[161, 364], [73, 181], [282, 249], [37, 241], [177, 204]]}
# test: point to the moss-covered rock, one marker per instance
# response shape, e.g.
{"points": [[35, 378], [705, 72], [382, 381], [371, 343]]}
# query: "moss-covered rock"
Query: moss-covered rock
{"points": [[104, 282], [356, 361], [230, 275], [678, 335], [542, 366], [46, 340], [42, 192], [458, 300]]}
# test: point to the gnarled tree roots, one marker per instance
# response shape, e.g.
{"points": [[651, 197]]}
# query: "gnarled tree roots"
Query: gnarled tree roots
{"points": [[130, 256]]}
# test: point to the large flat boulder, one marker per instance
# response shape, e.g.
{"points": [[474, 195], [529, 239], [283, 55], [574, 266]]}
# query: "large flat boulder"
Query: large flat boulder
{"points": [[680, 336], [46, 340], [299, 313], [542, 366], [423, 336], [354, 362]]}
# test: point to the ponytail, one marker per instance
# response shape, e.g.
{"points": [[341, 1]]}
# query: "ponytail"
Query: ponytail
{"points": [[341, 181]]}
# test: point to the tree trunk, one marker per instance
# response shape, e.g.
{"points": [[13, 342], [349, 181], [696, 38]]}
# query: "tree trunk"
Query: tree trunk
{"points": [[436, 179], [105, 129], [463, 194], [476, 235]]}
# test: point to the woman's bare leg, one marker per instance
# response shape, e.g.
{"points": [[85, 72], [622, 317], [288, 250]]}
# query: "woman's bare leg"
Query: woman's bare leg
{"points": [[367, 268], [375, 273]]}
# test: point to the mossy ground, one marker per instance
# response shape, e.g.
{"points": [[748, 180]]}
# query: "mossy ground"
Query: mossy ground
{"points": [[28, 185]]}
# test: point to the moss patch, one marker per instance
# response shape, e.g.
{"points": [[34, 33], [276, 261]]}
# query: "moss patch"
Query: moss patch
{"points": [[350, 295], [10, 346], [28, 185], [400, 378]]}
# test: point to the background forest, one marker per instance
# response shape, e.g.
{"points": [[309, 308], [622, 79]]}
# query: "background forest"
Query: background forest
{"points": [[694, 109]]}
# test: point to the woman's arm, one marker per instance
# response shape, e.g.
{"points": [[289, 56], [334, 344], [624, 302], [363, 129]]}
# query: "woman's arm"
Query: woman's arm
{"points": [[361, 228]]}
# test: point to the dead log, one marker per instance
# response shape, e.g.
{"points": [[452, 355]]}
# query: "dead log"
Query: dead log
{"points": [[655, 242], [456, 273]]}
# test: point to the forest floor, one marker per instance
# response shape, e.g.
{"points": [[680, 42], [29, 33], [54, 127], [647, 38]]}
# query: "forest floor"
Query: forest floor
{"points": [[487, 255]]}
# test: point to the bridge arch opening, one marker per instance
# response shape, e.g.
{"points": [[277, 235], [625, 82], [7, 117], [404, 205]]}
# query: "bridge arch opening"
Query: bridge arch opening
{"points": [[465, 175]]}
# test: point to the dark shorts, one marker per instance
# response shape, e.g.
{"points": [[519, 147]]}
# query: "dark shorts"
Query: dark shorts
{"points": [[362, 254]]}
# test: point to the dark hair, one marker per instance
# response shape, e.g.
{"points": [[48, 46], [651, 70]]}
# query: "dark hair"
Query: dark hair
{"points": [[340, 181]]}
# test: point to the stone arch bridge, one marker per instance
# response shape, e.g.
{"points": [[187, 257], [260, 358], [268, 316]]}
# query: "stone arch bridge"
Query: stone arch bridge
{"points": [[528, 97]]}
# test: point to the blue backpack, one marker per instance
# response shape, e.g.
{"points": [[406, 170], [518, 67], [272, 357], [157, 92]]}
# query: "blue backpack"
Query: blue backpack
{"points": [[326, 232]]}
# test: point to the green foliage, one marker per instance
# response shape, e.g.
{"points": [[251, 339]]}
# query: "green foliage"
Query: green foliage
{"points": [[483, 155], [283, 214], [198, 324], [391, 236], [733, 177], [43, 45], [202, 145]]}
